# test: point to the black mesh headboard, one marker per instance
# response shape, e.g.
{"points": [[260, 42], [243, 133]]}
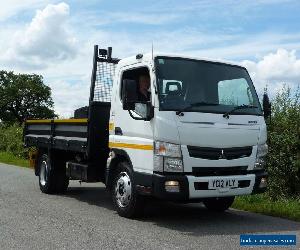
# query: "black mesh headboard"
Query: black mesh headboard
{"points": [[102, 76]]}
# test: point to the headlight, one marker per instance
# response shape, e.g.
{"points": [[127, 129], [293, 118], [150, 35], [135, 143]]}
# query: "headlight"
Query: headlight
{"points": [[167, 157], [261, 154], [167, 149]]}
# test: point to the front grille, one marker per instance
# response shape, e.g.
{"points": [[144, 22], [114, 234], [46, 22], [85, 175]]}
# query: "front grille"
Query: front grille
{"points": [[219, 171], [219, 153]]}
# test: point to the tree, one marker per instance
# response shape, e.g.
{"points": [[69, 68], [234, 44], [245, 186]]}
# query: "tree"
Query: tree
{"points": [[284, 145], [24, 96]]}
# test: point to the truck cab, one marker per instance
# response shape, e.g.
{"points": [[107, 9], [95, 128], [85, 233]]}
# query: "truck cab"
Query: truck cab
{"points": [[199, 135], [202, 134]]}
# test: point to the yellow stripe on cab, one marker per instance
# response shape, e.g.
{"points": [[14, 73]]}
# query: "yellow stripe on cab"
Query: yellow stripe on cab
{"points": [[130, 145]]}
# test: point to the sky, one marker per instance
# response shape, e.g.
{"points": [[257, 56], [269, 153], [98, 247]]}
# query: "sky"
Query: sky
{"points": [[55, 38]]}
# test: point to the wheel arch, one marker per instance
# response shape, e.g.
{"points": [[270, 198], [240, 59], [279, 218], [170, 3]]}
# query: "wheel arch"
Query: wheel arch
{"points": [[115, 157]]}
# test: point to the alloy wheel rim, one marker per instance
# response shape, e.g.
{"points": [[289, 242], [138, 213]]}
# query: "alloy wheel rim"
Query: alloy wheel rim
{"points": [[123, 190], [43, 173]]}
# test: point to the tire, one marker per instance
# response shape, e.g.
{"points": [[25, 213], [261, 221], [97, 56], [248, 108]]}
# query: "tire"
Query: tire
{"points": [[61, 179], [52, 177], [127, 201], [219, 204]]}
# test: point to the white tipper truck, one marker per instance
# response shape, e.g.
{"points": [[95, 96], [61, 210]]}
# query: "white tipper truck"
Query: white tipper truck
{"points": [[199, 136]]}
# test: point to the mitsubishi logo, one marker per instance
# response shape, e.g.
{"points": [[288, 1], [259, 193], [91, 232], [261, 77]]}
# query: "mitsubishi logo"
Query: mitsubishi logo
{"points": [[222, 156]]}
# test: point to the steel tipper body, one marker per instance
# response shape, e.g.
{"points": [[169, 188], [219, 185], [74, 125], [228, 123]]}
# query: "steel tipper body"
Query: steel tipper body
{"points": [[200, 135], [66, 134]]}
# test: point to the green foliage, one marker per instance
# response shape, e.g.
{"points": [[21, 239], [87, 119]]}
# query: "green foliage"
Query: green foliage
{"points": [[261, 203], [284, 145], [9, 158], [24, 96], [11, 140]]}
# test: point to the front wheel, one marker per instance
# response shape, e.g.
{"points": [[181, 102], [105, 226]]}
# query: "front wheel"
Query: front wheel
{"points": [[219, 204], [125, 197]]}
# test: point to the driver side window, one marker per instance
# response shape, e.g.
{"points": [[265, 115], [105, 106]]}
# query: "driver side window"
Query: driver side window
{"points": [[142, 77]]}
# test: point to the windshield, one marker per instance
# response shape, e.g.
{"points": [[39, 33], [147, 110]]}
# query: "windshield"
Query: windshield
{"points": [[201, 86]]}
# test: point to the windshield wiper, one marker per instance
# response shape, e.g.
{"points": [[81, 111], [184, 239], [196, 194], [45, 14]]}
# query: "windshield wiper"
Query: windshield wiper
{"points": [[244, 106], [196, 104]]}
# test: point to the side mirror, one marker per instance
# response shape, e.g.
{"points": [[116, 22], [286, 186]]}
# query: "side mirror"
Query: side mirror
{"points": [[145, 110], [266, 106], [129, 94]]}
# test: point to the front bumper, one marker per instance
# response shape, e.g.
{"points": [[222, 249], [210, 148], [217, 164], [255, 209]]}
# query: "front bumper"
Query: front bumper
{"points": [[192, 187], [258, 176]]}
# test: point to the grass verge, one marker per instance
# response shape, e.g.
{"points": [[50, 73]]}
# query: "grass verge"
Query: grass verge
{"points": [[261, 203], [9, 158]]}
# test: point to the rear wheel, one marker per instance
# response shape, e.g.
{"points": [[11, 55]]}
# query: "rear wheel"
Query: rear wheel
{"points": [[61, 179], [125, 197], [219, 204], [52, 176]]}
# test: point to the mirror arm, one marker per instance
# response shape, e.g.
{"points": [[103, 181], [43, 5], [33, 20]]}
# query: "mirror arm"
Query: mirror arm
{"points": [[151, 113]]}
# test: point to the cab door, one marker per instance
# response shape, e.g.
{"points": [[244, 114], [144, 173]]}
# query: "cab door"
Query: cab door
{"points": [[134, 137]]}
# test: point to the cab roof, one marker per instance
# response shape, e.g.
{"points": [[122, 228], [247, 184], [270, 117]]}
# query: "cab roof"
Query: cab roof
{"points": [[148, 58]]}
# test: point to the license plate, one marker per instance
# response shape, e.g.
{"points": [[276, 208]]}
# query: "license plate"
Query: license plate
{"points": [[223, 183]]}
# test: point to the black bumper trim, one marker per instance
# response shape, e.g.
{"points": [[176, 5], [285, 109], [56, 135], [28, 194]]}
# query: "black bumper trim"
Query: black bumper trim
{"points": [[258, 176], [154, 184], [159, 191]]}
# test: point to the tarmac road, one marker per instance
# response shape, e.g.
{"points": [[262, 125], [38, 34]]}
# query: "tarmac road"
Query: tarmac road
{"points": [[84, 218]]}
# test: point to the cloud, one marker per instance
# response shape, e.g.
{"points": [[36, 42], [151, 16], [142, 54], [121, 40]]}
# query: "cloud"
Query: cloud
{"points": [[275, 70], [148, 18], [45, 40], [238, 47], [12, 7], [69, 95], [59, 45]]}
